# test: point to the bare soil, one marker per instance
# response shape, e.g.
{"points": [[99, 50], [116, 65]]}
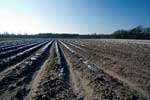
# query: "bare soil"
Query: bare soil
{"points": [[76, 69]]}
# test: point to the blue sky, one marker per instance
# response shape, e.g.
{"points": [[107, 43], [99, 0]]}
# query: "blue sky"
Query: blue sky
{"points": [[72, 16]]}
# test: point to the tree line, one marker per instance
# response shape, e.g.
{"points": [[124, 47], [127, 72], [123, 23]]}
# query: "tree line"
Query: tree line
{"points": [[135, 33]]}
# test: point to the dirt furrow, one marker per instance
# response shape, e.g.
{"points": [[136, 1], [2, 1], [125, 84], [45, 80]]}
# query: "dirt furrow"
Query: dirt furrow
{"points": [[15, 84], [53, 82], [18, 57], [104, 85], [105, 61]]}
